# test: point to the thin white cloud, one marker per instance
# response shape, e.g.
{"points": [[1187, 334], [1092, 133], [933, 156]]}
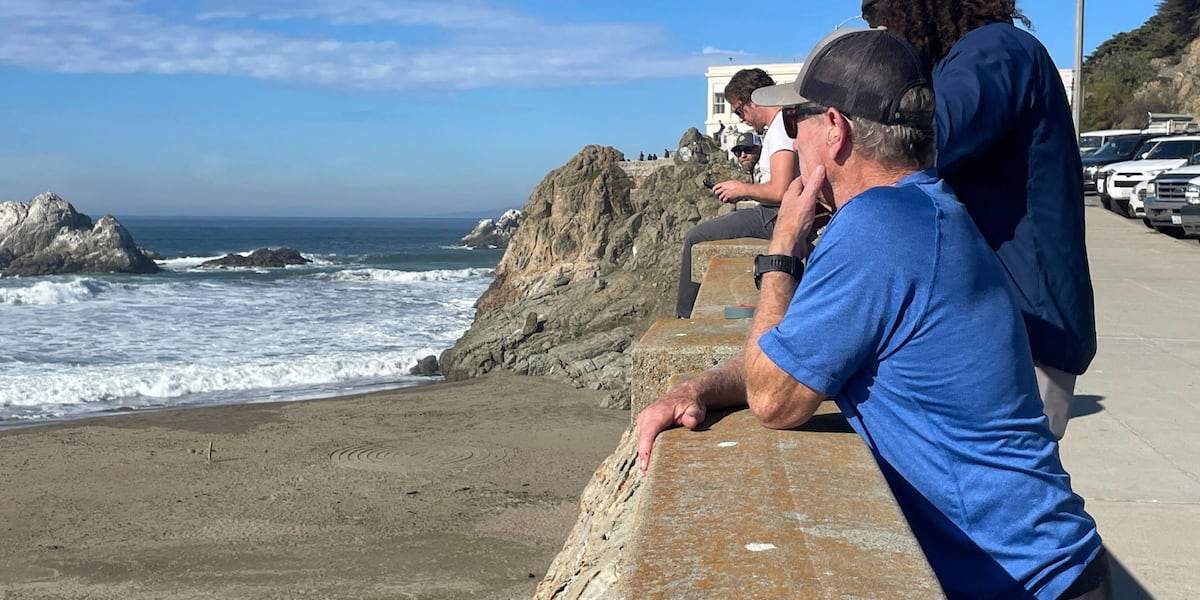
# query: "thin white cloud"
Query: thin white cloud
{"points": [[711, 50], [457, 15], [477, 46]]}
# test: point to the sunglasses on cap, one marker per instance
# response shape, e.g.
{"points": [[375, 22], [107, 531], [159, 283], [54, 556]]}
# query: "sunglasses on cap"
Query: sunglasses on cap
{"points": [[792, 115]]}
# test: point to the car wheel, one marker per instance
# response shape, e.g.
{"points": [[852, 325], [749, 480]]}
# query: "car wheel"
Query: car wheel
{"points": [[1147, 223], [1175, 232], [1106, 202], [1121, 207]]}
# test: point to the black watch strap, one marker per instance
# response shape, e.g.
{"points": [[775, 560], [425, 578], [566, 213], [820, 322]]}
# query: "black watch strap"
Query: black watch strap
{"points": [[766, 263]]}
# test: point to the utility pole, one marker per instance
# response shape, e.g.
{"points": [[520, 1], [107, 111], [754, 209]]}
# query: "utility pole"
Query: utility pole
{"points": [[1077, 79]]}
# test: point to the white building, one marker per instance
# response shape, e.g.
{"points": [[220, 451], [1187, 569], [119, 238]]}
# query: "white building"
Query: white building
{"points": [[721, 113]]}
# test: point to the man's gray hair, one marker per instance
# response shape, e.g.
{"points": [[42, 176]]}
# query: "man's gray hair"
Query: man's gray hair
{"points": [[899, 145]]}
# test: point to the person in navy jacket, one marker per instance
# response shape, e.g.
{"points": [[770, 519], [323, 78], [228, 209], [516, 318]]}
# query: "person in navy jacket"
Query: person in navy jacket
{"points": [[1007, 145]]}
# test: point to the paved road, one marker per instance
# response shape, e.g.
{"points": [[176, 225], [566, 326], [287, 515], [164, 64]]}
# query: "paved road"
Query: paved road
{"points": [[1133, 446]]}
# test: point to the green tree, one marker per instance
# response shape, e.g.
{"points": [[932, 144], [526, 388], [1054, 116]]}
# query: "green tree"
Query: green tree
{"points": [[1121, 66]]}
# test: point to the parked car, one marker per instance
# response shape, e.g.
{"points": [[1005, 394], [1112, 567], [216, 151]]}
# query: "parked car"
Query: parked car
{"points": [[1090, 141], [1136, 209], [1117, 149], [1189, 213], [1165, 196], [1119, 179]]}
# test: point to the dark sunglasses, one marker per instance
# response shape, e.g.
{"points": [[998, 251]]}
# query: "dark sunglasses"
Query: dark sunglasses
{"points": [[792, 115], [740, 110], [744, 150]]}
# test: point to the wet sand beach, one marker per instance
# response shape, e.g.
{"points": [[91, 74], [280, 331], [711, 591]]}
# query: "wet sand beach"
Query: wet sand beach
{"points": [[458, 490]]}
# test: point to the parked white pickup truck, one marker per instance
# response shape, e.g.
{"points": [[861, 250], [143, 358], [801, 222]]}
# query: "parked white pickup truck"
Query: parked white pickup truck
{"points": [[1189, 213], [1166, 194]]}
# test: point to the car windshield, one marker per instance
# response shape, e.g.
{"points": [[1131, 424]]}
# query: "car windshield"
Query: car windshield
{"points": [[1171, 149], [1087, 143], [1116, 148]]}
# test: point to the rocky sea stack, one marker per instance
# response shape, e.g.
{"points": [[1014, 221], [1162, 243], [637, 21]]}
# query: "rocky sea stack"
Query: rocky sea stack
{"points": [[493, 234], [261, 258], [594, 262], [48, 237]]}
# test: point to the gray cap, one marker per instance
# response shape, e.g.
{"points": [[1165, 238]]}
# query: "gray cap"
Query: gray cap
{"points": [[862, 73], [748, 139]]}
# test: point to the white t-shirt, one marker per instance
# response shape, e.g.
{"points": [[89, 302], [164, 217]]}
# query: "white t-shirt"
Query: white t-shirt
{"points": [[774, 140]]}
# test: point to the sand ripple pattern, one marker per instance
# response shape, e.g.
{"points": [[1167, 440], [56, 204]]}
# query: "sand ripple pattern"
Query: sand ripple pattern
{"points": [[416, 458]]}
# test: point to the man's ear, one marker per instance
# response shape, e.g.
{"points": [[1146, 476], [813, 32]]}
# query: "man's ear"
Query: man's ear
{"points": [[839, 137]]}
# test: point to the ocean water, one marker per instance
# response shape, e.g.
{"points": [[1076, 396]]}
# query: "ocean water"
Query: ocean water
{"points": [[379, 295]]}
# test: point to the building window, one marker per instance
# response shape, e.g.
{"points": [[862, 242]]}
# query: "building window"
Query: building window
{"points": [[719, 103]]}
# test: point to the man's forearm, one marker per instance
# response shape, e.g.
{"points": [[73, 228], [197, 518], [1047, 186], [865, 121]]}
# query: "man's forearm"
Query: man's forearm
{"points": [[775, 397], [770, 192]]}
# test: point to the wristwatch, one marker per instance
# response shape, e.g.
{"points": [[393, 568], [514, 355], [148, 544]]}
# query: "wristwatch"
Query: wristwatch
{"points": [[765, 263]]}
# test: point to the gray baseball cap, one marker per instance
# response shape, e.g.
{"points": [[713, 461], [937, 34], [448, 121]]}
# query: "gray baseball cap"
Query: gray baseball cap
{"points": [[748, 139], [862, 73]]}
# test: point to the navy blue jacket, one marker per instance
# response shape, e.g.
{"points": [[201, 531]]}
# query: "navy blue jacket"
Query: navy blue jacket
{"points": [[1007, 146]]}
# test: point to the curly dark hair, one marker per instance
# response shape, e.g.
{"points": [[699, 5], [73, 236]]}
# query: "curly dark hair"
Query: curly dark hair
{"points": [[934, 26], [744, 82]]}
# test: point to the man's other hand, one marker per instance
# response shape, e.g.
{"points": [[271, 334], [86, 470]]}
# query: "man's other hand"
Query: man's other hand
{"points": [[677, 406]]}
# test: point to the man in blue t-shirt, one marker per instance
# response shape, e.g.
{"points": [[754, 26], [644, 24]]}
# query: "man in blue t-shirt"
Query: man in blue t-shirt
{"points": [[1007, 146], [905, 317]]}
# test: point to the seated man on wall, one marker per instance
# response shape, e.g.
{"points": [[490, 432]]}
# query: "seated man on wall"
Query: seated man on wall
{"points": [[777, 167], [905, 317]]}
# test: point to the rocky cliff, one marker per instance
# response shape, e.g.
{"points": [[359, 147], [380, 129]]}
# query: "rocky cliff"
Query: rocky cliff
{"points": [[1178, 83], [594, 262], [47, 236]]}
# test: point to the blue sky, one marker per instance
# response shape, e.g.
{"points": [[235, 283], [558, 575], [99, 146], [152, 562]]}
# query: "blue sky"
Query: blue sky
{"points": [[377, 107]]}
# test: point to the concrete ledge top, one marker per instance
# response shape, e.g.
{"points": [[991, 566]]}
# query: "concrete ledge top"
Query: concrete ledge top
{"points": [[740, 511], [704, 252], [728, 281]]}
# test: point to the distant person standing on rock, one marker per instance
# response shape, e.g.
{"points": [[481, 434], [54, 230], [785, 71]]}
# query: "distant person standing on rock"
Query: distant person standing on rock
{"points": [[778, 168], [1007, 145]]}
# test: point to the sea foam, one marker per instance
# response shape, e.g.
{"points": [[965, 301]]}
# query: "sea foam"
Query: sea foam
{"points": [[53, 292]]}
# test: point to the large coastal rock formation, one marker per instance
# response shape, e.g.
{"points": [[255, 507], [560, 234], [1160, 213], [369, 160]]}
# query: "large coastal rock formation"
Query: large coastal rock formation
{"points": [[493, 234], [594, 262], [47, 237]]}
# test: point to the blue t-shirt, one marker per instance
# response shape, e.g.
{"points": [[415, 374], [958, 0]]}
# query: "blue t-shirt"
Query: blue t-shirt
{"points": [[905, 317], [1007, 146]]}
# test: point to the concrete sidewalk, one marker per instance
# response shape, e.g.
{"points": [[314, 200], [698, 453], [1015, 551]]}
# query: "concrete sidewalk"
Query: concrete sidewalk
{"points": [[1133, 446]]}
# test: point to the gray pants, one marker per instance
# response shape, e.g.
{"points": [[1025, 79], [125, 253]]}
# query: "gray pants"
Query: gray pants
{"points": [[1057, 389], [756, 222]]}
